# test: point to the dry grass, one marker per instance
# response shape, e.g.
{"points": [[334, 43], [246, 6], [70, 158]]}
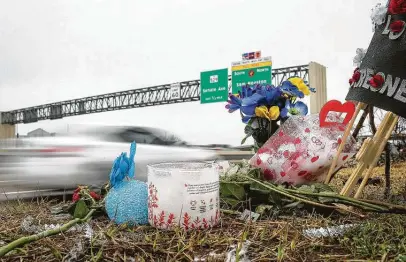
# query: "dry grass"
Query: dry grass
{"points": [[279, 238]]}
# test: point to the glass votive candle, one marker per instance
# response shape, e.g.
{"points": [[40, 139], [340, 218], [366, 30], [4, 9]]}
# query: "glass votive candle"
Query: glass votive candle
{"points": [[183, 194]]}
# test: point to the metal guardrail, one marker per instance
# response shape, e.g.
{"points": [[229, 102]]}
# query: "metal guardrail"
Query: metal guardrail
{"points": [[235, 155]]}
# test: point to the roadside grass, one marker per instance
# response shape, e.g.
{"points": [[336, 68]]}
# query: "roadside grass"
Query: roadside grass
{"points": [[280, 237]]}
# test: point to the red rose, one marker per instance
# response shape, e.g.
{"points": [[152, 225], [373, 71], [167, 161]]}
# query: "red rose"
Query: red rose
{"points": [[376, 81], [397, 7], [355, 77], [94, 195], [397, 26], [75, 197]]}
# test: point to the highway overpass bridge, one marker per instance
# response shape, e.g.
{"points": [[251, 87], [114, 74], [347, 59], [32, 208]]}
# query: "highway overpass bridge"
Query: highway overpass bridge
{"points": [[314, 73]]}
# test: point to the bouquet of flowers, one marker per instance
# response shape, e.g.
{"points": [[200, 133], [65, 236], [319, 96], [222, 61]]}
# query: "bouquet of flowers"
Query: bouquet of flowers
{"points": [[264, 107]]}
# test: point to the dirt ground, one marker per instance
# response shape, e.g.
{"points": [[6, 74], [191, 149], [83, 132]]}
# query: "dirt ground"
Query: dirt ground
{"points": [[280, 237]]}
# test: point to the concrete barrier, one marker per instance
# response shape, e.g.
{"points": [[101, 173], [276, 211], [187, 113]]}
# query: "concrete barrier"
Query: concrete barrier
{"points": [[7, 131]]}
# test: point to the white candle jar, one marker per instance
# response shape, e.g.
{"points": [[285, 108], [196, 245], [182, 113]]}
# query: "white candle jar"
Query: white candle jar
{"points": [[185, 195]]}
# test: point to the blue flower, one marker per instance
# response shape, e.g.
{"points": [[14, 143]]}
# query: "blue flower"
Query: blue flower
{"points": [[233, 104], [271, 94], [123, 166], [246, 91], [249, 104], [298, 108], [288, 88]]}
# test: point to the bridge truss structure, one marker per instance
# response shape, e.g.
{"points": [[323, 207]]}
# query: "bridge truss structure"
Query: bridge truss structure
{"points": [[135, 98]]}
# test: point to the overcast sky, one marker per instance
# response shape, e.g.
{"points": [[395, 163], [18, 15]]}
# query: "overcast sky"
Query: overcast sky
{"points": [[57, 50]]}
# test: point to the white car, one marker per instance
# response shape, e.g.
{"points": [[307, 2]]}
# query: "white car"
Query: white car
{"points": [[51, 165]]}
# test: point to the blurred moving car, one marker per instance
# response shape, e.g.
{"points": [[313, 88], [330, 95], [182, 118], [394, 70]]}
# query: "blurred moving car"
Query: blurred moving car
{"points": [[29, 166]]}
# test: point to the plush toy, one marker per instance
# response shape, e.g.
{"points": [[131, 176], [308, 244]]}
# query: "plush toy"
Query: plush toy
{"points": [[127, 200]]}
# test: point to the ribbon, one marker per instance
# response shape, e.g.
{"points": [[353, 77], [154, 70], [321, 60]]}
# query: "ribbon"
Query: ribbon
{"points": [[123, 167]]}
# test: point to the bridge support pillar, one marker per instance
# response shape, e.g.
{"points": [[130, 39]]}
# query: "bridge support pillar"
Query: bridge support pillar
{"points": [[7, 131], [318, 80]]}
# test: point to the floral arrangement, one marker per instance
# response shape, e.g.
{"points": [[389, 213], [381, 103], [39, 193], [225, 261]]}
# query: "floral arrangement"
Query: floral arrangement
{"points": [[263, 107], [395, 7], [83, 192]]}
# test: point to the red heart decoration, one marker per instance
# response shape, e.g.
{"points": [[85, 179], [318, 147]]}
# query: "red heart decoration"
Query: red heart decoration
{"points": [[259, 161], [283, 174], [297, 141], [307, 130], [345, 157], [281, 133], [336, 106], [269, 174], [339, 141], [262, 150], [302, 173], [314, 159]]}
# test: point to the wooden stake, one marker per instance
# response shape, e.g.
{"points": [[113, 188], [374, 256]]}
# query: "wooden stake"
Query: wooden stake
{"points": [[364, 158], [382, 143], [369, 154], [343, 142]]}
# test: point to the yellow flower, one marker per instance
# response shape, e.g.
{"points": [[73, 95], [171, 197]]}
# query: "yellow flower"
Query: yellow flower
{"points": [[262, 111], [270, 114], [300, 84], [274, 112]]}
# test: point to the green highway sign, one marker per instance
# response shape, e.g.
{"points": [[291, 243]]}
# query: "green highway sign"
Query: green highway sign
{"points": [[251, 72], [214, 86]]}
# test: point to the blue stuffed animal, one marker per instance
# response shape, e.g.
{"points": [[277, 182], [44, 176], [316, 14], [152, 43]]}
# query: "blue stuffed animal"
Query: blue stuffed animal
{"points": [[127, 200]]}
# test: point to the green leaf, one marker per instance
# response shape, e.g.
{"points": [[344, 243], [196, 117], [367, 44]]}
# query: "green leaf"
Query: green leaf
{"points": [[248, 129], [233, 189], [321, 187], [231, 202], [275, 198], [307, 188], [81, 209], [258, 195], [70, 209], [251, 121], [262, 209], [246, 137]]}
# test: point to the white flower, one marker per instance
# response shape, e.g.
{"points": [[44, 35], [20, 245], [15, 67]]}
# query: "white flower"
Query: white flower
{"points": [[359, 56], [378, 15]]}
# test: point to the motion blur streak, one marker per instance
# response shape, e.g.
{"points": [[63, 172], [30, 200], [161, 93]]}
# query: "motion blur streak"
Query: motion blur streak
{"points": [[53, 165]]}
